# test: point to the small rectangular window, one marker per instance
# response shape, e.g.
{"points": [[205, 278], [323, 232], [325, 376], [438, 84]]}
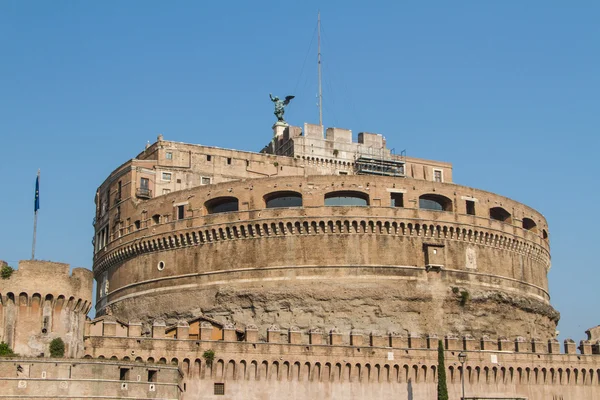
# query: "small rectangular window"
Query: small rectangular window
{"points": [[342, 173], [137, 224], [166, 176], [397, 200], [470, 207], [437, 175], [124, 374], [166, 191], [205, 181], [208, 157], [229, 161], [169, 155], [180, 212], [152, 375], [219, 389]]}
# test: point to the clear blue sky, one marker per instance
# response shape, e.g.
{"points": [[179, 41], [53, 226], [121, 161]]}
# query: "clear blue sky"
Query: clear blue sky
{"points": [[508, 91]]}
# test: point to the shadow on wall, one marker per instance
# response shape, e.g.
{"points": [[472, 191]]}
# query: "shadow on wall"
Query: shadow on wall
{"points": [[409, 389]]}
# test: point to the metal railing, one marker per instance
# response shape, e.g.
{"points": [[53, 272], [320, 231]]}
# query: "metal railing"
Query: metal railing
{"points": [[143, 193]]}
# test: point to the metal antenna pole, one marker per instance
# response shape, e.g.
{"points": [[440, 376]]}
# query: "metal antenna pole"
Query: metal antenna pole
{"points": [[319, 56]]}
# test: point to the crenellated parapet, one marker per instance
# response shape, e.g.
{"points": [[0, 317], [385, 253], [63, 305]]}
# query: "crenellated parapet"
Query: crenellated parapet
{"points": [[109, 326], [42, 300], [494, 365]]}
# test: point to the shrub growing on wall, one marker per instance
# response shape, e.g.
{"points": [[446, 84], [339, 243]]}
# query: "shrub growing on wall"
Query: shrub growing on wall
{"points": [[57, 348], [209, 356], [6, 271], [5, 350]]}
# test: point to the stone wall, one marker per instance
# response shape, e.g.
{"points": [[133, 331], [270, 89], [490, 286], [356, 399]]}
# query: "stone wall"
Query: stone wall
{"points": [[29, 378], [373, 366], [42, 300], [401, 268]]}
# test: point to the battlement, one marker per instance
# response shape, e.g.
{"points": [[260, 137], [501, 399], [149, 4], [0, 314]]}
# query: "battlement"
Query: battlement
{"points": [[109, 326], [55, 279]]}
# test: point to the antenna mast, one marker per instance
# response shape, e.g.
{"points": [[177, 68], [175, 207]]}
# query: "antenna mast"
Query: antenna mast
{"points": [[319, 57]]}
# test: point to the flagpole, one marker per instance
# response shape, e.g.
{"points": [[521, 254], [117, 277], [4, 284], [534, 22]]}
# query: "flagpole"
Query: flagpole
{"points": [[35, 213]]}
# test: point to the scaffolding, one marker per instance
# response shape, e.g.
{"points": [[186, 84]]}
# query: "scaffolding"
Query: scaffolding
{"points": [[367, 164]]}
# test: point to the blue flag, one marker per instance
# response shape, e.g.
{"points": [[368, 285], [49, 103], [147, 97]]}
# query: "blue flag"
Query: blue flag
{"points": [[37, 194]]}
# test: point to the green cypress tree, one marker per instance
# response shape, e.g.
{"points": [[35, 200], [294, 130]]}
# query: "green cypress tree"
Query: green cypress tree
{"points": [[442, 388]]}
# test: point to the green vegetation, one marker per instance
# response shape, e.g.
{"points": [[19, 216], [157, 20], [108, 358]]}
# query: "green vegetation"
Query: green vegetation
{"points": [[464, 297], [442, 388], [276, 164], [208, 356], [336, 152], [6, 271], [5, 350], [455, 290], [57, 348]]}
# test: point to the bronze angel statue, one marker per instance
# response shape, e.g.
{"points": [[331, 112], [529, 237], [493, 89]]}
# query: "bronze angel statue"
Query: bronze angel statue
{"points": [[279, 106]]}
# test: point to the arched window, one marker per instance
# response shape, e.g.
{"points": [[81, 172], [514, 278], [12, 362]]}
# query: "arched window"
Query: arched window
{"points": [[346, 198], [435, 202], [221, 205], [544, 234], [529, 224], [500, 214], [283, 199]]}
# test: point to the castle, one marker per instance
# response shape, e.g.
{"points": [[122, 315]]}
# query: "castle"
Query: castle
{"points": [[317, 268]]}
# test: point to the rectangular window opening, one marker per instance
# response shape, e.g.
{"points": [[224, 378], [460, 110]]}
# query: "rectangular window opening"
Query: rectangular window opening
{"points": [[205, 180], [169, 155], [152, 375], [470, 207], [219, 389], [229, 161], [166, 176], [397, 199], [180, 212], [437, 175], [124, 374], [208, 157]]}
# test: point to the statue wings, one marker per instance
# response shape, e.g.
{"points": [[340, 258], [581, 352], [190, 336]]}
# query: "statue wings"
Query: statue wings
{"points": [[287, 100]]}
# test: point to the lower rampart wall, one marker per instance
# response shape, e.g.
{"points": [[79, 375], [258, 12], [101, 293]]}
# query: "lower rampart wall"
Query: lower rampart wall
{"points": [[27, 378], [372, 367]]}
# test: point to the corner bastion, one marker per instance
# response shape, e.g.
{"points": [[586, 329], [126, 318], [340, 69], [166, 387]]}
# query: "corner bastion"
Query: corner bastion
{"points": [[42, 300]]}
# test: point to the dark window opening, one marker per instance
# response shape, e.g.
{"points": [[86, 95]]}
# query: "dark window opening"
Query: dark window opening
{"points": [[119, 189], [221, 205], [544, 234], [208, 157], [229, 161], [283, 199], [124, 374], [500, 214], [144, 183], [346, 199], [397, 199], [156, 219], [470, 207], [529, 224], [219, 389], [137, 224], [435, 202], [180, 212], [152, 375]]}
